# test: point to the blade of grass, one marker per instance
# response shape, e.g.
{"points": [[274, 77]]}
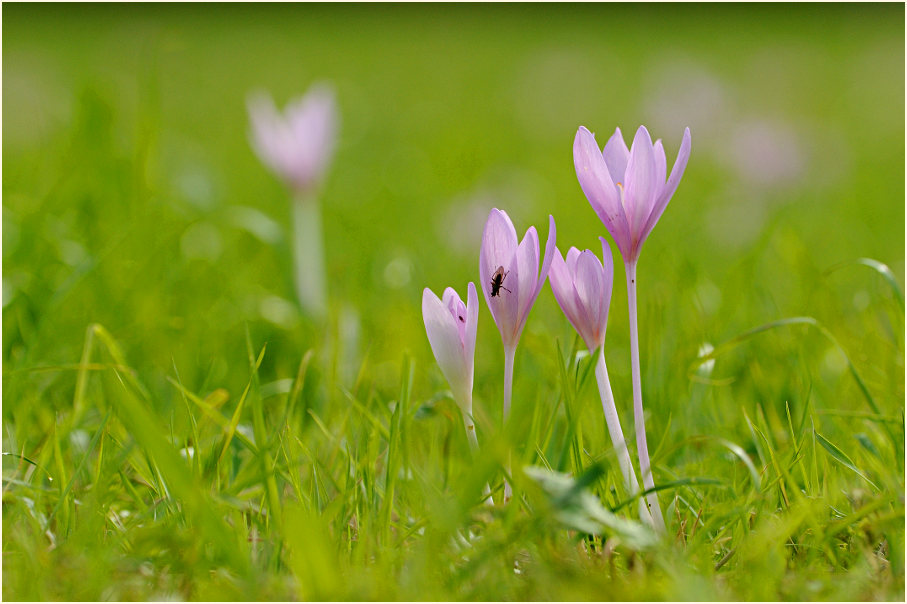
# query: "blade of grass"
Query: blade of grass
{"points": [[261, 436], [82, 462], [234, 421], [842, 458], [145, 429], [880, 268], [809, 321]]}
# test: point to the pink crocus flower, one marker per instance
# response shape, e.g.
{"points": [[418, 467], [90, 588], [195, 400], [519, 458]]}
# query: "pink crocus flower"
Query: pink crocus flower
{"points": [[298, 144], [628, 191], [511, 281], [582, 287], [627, 187], [521, 281], [451, 328]]}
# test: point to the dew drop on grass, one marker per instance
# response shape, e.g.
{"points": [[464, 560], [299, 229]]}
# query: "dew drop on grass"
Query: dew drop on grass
{"points": [[705, 369]]}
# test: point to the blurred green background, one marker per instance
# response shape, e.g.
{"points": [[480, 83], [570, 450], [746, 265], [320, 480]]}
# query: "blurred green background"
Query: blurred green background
{"points": [[132, 198]]}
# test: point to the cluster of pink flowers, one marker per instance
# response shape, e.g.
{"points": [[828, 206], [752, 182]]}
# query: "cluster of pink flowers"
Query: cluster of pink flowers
{"points": [[629, 189]]}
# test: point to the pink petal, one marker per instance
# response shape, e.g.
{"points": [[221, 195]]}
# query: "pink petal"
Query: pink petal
{"points": [[499, 245], [598, 186], [561, 279], [313, 124], [572, 255], [589, 284], [680, 164], [527, 256], [499, 249], [660, 164], [594, 177], [616, 156], [445, 341], [266, 124], [457, 310], [550, 245], [641, 188]]}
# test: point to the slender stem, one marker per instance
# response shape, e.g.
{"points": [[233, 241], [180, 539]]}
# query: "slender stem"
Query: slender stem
{"points": [[474, 446], [308, 256], [617, 435], [509, 354], [645, 466]]}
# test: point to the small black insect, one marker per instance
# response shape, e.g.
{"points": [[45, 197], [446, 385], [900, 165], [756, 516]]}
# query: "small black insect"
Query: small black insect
{"points": [[497, 282]]}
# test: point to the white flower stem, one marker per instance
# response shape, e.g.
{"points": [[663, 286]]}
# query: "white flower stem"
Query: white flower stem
{"points": [[308, 256], [509, 354], [474, 446], [617, 435], [645, 465]]}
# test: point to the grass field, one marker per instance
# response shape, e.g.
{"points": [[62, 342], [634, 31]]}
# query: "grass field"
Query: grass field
{"points": [[175, 427]]}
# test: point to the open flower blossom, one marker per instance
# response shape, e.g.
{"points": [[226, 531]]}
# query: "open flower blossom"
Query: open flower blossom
{"points": [[451, 328], [628, 191], [582, 288], [298, 144], [511, 293], [627, 187]]}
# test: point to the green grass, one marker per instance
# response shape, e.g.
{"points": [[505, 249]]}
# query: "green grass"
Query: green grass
{"points": [[174, 427]]}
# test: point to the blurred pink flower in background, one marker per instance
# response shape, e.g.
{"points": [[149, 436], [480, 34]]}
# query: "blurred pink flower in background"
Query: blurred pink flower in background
{"points": [[627, 187], [766, 153], [680, 91], [298, 144]]}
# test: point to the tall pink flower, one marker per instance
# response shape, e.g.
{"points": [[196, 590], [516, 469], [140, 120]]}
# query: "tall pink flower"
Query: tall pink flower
{"points": [[582, 288], [628, 190], [627, 187], [511, 281], [451, 328], [298, 144], [521, 279]]}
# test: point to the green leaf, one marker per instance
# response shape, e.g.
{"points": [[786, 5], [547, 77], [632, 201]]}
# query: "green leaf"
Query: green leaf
{"points": [[580, 510]]}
